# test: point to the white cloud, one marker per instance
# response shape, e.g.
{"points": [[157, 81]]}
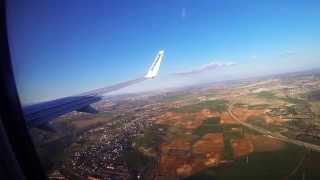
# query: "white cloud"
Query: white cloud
{"points": [[206, 67]]}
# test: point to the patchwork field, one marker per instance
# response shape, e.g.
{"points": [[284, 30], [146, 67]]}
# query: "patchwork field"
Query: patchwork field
{"points": [[197, 138], [202, 140]]}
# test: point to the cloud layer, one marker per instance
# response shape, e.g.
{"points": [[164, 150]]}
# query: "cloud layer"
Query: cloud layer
{"points": [[206, 67]]}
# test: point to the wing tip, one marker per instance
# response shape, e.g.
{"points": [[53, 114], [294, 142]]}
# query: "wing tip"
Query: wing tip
{"points": [[155, 67]]}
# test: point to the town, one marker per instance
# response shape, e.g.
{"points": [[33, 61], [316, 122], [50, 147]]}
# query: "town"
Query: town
{"points": [[102, 158]]}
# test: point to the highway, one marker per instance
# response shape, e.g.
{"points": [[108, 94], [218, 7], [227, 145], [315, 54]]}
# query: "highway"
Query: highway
{"points": [[270, 134]]}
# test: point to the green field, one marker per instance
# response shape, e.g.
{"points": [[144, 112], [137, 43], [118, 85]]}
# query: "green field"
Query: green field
{"points": [[229, 135], [260, 166], [256, 120], [258, 106], [265, 95], [296, 101], [134, 159], [151, 137], [310, 168], [214, 105], [211, 125], [228, 151], [260, 122], [54, 151], [313, 95]]}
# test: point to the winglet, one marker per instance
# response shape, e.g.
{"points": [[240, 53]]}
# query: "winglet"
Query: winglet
{"points": [[155, 67]]}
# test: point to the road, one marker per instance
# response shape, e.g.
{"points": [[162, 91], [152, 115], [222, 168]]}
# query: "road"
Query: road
{"points": [[270, 134]]}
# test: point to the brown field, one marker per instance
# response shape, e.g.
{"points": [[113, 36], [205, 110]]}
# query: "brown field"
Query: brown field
{"points": [[175, 157], [171, 165], [188, 121], [227, 119], [275, 120], [175, 145], [209, 143], [241, 147], [212, 146], [179, 158], [244, 113], [181, 165]]}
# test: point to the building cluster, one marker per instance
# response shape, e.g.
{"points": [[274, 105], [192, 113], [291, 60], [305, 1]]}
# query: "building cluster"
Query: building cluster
{"points": [[102, 158], [292, 112], [299, 118]]}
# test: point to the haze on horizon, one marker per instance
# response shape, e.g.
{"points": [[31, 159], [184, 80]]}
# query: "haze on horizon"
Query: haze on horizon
{"points": [[64, 48]]}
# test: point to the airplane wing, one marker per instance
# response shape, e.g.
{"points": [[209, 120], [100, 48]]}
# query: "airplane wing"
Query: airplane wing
{"points": [[40, 115]]}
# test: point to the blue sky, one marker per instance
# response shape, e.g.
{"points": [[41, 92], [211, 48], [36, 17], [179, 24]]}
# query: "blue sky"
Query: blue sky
{"points": [[60, 48]]}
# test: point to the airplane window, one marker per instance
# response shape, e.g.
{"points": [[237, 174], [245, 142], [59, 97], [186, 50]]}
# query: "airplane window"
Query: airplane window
{"points": [[170, 89]]}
